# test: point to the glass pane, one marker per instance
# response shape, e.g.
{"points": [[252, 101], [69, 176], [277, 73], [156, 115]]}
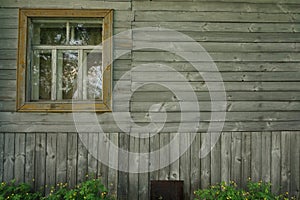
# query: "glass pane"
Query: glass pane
{"points": [[67, 74], [94, 75], [41, 75], [86, 34], [53, 36]]}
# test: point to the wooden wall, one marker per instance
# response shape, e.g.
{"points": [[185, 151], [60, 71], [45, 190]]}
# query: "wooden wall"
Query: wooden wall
{"points": [[255, 45]]}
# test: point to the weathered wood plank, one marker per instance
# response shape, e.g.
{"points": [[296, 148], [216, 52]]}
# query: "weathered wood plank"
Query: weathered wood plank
{"points": [[19, 172], [256, 157], [2, 142], [215, 7], [205, 162], [154, 161], [51, 159], [123, 177], [82, 158], [72, 159], [7, 74], [185, 163], [133, 178], [61, 157], [113, 173], [175, 154], [92, 153], [103, 170], [181, 16], [285, 161], [295, 164], [195, 164], [9, 157], [266, 156], [246, 158], [276, 162], [259, 2], [143, 186], [30, 159], [215, 164], [225, 156], [164, 157], [40, 161], [236, 157]]}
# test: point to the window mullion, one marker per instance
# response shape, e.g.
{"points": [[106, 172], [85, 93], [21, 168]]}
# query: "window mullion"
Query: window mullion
{"points": [[54, 75], [80, 74]]}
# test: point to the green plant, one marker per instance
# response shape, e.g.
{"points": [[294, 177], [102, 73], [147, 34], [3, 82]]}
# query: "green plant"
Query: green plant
{"points": [[17, 192], [254, 191]]}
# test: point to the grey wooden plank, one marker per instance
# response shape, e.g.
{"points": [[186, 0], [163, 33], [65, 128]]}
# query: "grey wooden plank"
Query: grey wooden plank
{"points": [[7, 74], [181, 16], [2, 142], [51, 159], [236, 157], [8, 13], [205, 163], [8, 54], [246, 158], [195, 164], [256, 157], [74, 4], [72, 159], [143, 186], [295, 164], [9, 157], [285, 161], [9, 33], [221, 27], [20, 139], [123, 176], [225, 156], [215, 164], [164, 156], [266, 156], [133, 178], [40, 162], [92, 154], [61, 158], [113, 173], [10, 44], [102, 168], [175, 154], [259, 2], [215, 6], [185, 163], [30, 159], [154, 161], [82, 158], [276, 162]]}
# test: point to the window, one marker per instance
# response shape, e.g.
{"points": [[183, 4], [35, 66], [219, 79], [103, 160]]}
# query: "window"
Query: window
{"points": [[64, 64]]}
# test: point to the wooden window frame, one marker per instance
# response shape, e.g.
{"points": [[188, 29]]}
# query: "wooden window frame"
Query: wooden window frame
{"points": [[105, 105]]}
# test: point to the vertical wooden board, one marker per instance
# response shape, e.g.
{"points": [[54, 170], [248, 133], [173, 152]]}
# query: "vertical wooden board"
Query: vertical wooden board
{"points": [[9, 156], [82, 158], [185, 163], [20, 157], [133, 178], [236, 160], [123, 181], [205, 163], [72, 159], [295, 164], [266, 156], [285, 161], [246, 158], [154, 161], [112, 177], [195, 164], [275, 162], [50, 161], [143, 188], [102, 168], [30, 158], [1, 155], [61, 158], [174, 155], [92, 154], [164, 157], [215, 160], [225, 156], [40, 161], [256, 156]]}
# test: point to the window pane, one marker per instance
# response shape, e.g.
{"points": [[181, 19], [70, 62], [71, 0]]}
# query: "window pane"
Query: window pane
{"points": [[94, 75], [68, 72], [41, 75], [53, 36], [86, 34]]}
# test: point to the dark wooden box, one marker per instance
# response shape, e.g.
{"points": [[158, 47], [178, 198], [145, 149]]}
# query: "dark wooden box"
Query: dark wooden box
{"points": [[166, 190]]}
